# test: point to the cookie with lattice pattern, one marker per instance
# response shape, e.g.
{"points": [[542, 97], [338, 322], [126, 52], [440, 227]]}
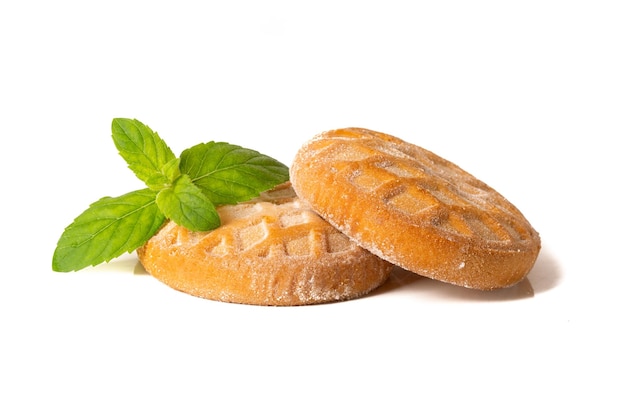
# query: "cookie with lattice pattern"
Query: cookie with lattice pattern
{"points": [[273, 250], [415, 209]]}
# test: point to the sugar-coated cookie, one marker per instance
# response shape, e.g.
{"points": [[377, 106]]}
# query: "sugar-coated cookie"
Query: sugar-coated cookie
{"points": [[415, 209], [272, 250]]}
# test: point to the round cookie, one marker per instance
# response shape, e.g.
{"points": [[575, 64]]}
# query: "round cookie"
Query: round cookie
{"points": [[272, 250], [415, 209]]}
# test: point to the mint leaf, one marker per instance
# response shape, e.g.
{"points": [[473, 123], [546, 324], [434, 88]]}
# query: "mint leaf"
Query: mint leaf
{"points": [[186, 205], [144, 151], [108, 228], [229, 174], [169, 172]]}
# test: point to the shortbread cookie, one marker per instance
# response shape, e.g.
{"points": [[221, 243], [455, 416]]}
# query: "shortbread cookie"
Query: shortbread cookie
{"points": [[272, 250], [415, 209]]}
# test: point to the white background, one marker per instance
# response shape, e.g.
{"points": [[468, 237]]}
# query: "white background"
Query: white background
{"points": [[528, 96]]}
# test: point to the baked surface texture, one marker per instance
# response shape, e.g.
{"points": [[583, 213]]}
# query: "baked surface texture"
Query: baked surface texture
{"points": [[272, 250], [415, 209]]}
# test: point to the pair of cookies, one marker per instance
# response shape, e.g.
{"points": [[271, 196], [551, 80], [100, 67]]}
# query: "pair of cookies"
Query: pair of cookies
{"points": [[359, 203]]}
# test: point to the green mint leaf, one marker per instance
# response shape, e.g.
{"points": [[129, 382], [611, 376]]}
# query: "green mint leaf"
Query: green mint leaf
{"points": [[171, 170], [107, 229], [186, 205], [166, 177], [144, 151], [229, 174]]}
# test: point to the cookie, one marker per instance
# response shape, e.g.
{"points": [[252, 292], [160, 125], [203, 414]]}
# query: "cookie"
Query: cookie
{"points": [[273, 250], [415, 209]]}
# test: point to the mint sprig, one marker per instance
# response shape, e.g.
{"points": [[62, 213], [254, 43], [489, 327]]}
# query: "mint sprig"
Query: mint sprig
{"points": [[185, 190]]}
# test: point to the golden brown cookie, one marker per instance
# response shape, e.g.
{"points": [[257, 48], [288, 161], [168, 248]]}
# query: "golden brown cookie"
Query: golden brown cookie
{"points": [[272, 250], [415, 209]]}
